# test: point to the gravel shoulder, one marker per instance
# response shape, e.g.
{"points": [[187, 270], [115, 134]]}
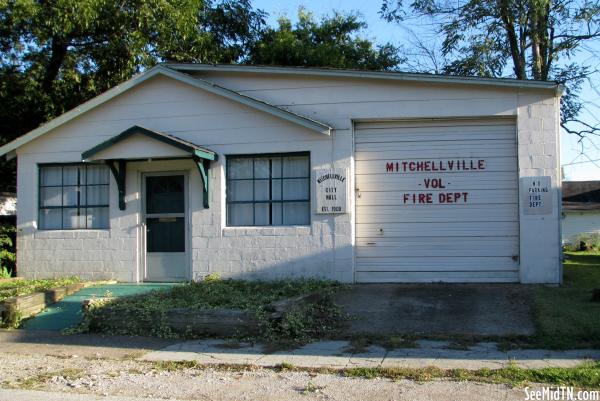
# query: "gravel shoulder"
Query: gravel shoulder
{"points": [[71, 376]]}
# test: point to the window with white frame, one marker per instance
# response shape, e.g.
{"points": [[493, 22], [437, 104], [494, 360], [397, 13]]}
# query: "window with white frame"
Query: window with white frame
{"points": [[73, 196], [268, 190]]}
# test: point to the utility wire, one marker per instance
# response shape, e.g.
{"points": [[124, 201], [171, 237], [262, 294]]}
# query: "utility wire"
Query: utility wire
{"points": [[583, 162]]}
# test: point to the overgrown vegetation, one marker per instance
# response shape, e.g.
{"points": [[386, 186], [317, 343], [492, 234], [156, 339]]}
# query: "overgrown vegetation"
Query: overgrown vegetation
{"points": [[583, 243], [585, 376], [565, 316], [18, 287], [7, 251], [301, 324]]}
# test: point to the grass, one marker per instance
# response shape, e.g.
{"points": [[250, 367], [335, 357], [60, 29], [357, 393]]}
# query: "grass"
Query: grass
{"points": [[565, 316], [145, 314], [16, 287], [585, 376]]}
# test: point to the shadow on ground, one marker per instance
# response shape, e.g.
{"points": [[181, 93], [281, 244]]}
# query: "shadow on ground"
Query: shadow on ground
{"points": [[439, 309]]}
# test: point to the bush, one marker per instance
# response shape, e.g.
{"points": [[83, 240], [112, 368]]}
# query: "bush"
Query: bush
{"points": [[7, 251], [587, 242]]}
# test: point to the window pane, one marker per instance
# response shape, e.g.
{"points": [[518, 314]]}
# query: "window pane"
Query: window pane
{"points": [[50, 196], [97, 175], [71, 175], [240, 214], [261, 190], [166, 234], [295, 189], [261, 168], [295, 213], [239, 191], [276, 217], [50, 219], [97, 217], [261, 214], [276, 167], [73, 218], [295, 166], [239, 168], [276, 189], [70, 196], [51, 175], [96, 194]]}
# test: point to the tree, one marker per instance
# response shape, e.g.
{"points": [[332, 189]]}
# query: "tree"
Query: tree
{"points": [[534, 39], [331, 42], [56, 54]]}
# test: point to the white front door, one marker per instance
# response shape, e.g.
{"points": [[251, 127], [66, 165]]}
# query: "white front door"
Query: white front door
{"points": [[165, 221]]}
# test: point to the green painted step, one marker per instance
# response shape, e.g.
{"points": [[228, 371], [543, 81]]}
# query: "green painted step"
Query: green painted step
{"points": [[67, 312]]}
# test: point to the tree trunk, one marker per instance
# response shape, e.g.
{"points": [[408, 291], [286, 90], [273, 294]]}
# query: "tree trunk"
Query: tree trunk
{"points": [[59, 51]]}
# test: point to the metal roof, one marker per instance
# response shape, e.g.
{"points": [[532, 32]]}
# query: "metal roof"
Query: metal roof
{"points": [[385, 75]]}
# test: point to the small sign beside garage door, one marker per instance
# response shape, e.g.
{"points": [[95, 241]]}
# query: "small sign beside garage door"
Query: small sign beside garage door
{"points": [[331, 190], [536, 195]]}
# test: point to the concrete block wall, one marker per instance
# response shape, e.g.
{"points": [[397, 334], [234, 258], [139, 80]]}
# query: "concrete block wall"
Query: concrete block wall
{"points": [[539, 155]]}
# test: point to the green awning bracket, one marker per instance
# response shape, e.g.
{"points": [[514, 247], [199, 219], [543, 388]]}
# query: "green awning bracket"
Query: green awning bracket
{"points": [[203, 169], [119, 175]]}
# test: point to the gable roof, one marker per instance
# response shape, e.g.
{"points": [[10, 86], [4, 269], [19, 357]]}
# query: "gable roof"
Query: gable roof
{"points": [[383, 75], [279, 112], [192, 148], [581, 195]]}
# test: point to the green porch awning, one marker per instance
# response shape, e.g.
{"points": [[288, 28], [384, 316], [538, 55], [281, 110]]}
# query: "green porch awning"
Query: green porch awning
{"points": [[201, 156]]}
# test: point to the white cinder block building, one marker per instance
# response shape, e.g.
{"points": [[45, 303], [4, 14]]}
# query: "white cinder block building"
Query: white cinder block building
{"points": [[267, 173]]}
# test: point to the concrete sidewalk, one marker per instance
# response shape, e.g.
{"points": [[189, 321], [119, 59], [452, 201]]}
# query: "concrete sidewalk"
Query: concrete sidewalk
{"points": [[338, 354]]}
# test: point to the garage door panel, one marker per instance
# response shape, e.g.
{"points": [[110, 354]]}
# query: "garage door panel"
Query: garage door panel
{"points": [[375, 136], [435, 229], [378, 167], [492, 276], [392, 182], [473, 197], [448, 153], [462, 145], [437, 264], [437, 246], [436, 213]]}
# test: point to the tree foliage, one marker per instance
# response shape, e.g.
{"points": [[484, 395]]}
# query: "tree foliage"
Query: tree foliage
{"points": [[333, 41], [534, 39], [54, 55]]}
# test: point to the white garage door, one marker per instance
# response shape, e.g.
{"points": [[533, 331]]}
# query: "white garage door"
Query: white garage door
{"points": [[437, 201]]}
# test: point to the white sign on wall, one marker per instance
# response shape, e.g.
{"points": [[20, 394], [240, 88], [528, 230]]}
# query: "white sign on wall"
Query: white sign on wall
{"points": [[536, 195], [331, 190]]}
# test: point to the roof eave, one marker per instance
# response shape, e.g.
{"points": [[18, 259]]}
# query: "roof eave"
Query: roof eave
{"points": [[386, 75]]}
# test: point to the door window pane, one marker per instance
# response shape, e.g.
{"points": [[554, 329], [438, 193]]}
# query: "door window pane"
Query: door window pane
{"points": [[165, 194], [165, 234]]}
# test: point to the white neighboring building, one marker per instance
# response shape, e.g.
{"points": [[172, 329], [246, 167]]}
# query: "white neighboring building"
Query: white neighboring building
{"points": [[8, 204], [580, 209], [269, 172]]}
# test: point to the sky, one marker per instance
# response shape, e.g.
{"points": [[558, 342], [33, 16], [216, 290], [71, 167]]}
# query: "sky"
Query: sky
{"points": [[576, 164]]}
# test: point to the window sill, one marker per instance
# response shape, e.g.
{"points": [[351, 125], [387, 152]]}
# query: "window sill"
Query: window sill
{"points": [[72, 234], [264, 230]]}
